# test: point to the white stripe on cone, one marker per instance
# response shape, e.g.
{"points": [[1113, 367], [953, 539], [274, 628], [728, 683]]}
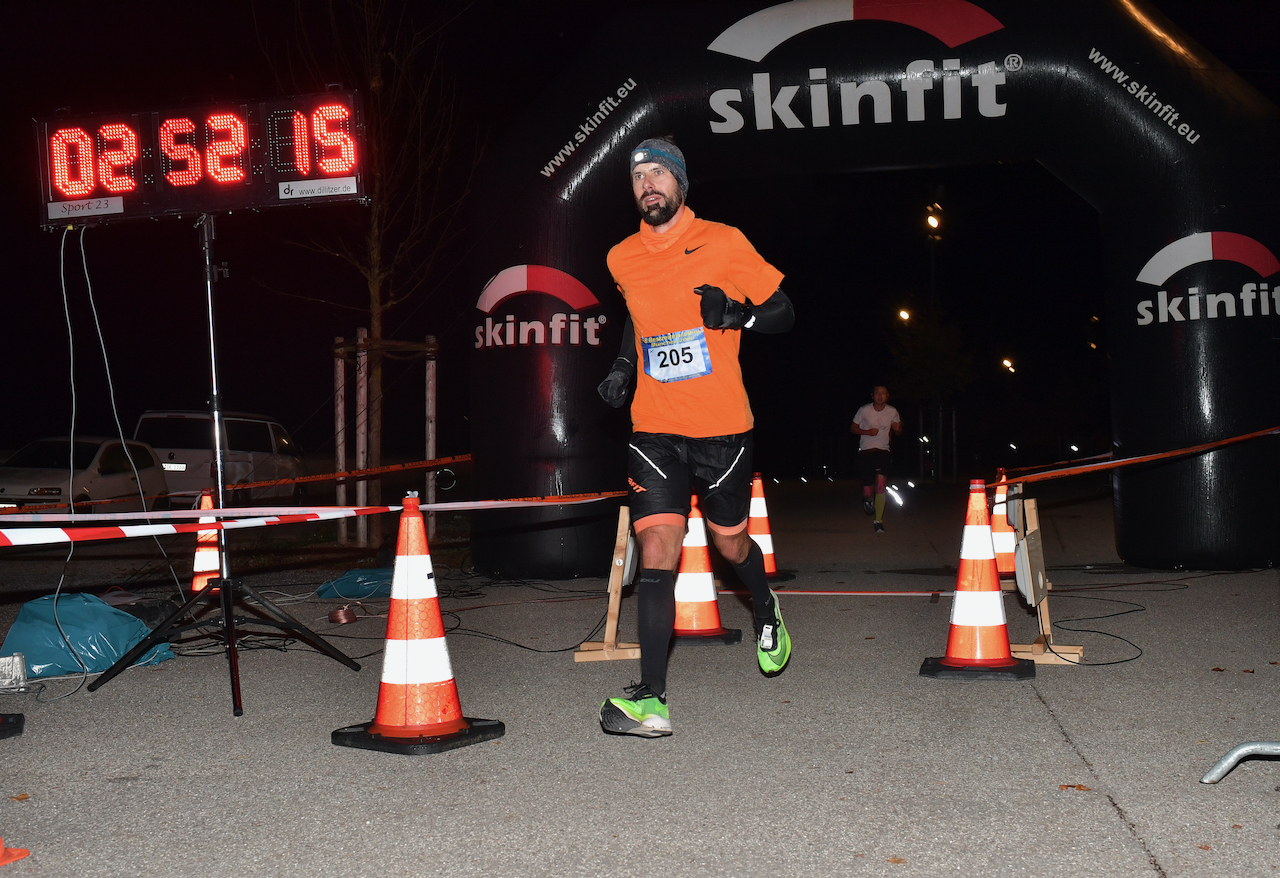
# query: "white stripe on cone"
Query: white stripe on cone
{"points": [[411, 662], [206, 559], [413, 578], [977, 545], [765, 542], [978, 608], [1004, 541], [695, 536], [758, 509], [693, 588]]}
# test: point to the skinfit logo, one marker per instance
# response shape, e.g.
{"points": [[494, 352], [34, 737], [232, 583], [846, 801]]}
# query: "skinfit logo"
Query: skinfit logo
{"points": [[953, 22], [1254, 299], [563, 327]]}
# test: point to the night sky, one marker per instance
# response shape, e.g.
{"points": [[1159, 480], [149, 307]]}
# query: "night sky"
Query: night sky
{"points": [[853, 248]]}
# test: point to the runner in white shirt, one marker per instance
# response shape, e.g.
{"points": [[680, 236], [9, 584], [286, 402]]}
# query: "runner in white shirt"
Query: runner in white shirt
{"points": [[874, 424]]}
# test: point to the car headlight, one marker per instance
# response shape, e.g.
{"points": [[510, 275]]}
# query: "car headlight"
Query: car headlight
{"points": [[45, 492]]}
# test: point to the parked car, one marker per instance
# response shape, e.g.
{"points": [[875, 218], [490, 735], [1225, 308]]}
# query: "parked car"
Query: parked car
{"points": [[255, 449], [45, 472]]}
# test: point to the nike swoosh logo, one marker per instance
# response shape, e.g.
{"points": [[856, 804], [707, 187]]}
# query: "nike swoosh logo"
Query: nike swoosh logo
{"points": [[699, 247]]}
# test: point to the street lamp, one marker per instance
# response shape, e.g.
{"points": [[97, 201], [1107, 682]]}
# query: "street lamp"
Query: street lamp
{"points": [[1007, 363], [904, 315], [933, 229], [933, 219]]}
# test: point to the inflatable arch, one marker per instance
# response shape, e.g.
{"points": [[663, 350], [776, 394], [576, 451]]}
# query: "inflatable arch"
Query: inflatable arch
{"points": [[1176, 153]]}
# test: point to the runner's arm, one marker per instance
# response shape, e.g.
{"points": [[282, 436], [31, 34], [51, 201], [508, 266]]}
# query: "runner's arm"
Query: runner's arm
{"points": [[613, 389], [775, 314]]}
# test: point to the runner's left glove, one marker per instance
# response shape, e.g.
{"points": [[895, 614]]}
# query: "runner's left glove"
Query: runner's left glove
{"points": [[613, 389], [721, 312]]}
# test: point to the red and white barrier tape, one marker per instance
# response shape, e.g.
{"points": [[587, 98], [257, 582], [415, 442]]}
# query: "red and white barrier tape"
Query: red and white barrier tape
{"points": [[42, 536]]}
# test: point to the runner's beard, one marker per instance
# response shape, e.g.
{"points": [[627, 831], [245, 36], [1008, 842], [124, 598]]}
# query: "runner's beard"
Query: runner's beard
{"points": [[663, 211]]}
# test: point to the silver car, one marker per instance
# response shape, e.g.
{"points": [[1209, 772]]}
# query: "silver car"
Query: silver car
{"points": [[255, 449], [44, 472]]}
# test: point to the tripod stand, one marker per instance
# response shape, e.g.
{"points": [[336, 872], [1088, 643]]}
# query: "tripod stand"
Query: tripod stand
{"points": [[226, 588], [226, 592]]}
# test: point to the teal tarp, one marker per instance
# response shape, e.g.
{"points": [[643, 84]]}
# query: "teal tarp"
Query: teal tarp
{"points": [[359, 585], [100, 633]]}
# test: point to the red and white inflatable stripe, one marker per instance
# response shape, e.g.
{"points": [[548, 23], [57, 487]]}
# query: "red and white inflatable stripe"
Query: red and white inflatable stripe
{"points": [[1206, 247]]}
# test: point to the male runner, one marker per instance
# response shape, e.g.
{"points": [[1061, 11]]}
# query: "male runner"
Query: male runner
{"points": [[691, 286], [873, 424]]}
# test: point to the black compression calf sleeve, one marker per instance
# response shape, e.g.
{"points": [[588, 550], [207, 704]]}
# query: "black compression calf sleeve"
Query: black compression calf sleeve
{"points": [[751, 572], [657, 609]]}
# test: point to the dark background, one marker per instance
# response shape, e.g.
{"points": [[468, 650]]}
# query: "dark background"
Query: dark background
{"points": [[1017, 271]]}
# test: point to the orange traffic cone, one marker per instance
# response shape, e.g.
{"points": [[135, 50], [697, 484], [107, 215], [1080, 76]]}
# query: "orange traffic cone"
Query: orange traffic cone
{"points": [[1003, 537], [8, 855], [418, 708], [978, 646], [697, 613], [758, 526], [208, 564]]}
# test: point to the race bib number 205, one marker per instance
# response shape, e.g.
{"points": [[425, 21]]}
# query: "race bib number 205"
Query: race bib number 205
{"points": [[676, 356]]}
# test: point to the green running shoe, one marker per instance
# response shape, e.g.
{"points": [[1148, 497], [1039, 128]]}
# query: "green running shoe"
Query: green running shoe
{"points": [[773, 644], [643, 712]]}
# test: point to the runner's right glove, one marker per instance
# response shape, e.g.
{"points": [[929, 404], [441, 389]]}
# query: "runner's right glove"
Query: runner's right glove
{"points": [[613, 389]]}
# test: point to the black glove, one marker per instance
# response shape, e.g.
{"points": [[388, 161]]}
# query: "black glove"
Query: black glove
{"points": [[614, 388], [721, 312]]}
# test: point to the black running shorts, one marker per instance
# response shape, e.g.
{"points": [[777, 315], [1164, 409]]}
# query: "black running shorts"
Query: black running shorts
{"points": [[873, 462], [664, 470]]}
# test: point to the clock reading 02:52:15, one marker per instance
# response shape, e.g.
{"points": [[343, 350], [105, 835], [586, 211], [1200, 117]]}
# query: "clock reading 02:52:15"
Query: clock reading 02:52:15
{"points": [[207, 159]]}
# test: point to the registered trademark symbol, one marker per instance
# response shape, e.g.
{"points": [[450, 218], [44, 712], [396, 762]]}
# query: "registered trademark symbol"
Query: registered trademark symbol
{"points": [[602, 320], [1013, 62]]}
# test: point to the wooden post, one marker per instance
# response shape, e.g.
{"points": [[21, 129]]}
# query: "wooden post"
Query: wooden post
{"points": [[1030, 563], [340, 433], [610, 648]]}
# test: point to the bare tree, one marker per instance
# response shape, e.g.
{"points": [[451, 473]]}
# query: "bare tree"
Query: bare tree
{"points": [[929, 360], [389, 51]]}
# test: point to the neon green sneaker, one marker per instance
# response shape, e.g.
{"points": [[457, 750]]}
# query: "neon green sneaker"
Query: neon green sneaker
{"points": [[773, 644], [643, 712]]}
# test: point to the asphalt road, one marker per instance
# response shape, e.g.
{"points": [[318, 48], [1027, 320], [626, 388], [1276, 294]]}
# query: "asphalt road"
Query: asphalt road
{"points": [[850, 763]]}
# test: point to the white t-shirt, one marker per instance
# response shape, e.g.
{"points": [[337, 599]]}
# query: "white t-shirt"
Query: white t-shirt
{"points": [[883, 420]]}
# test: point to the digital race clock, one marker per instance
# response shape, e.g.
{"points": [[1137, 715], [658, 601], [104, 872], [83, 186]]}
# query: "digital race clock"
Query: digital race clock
{"points": [[212, 158]]}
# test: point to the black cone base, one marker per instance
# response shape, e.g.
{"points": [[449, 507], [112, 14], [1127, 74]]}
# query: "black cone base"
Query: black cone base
{"points": [[780, 576], [1023, 669], [11, 724], [720, 635], [361, 738]]}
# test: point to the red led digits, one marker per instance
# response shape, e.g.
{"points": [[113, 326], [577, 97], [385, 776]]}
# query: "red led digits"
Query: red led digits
{"points": [[112, 161], [330, 139], [71, 152], [301, 143], [180, 153], [214, 157], [225, 157]]}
